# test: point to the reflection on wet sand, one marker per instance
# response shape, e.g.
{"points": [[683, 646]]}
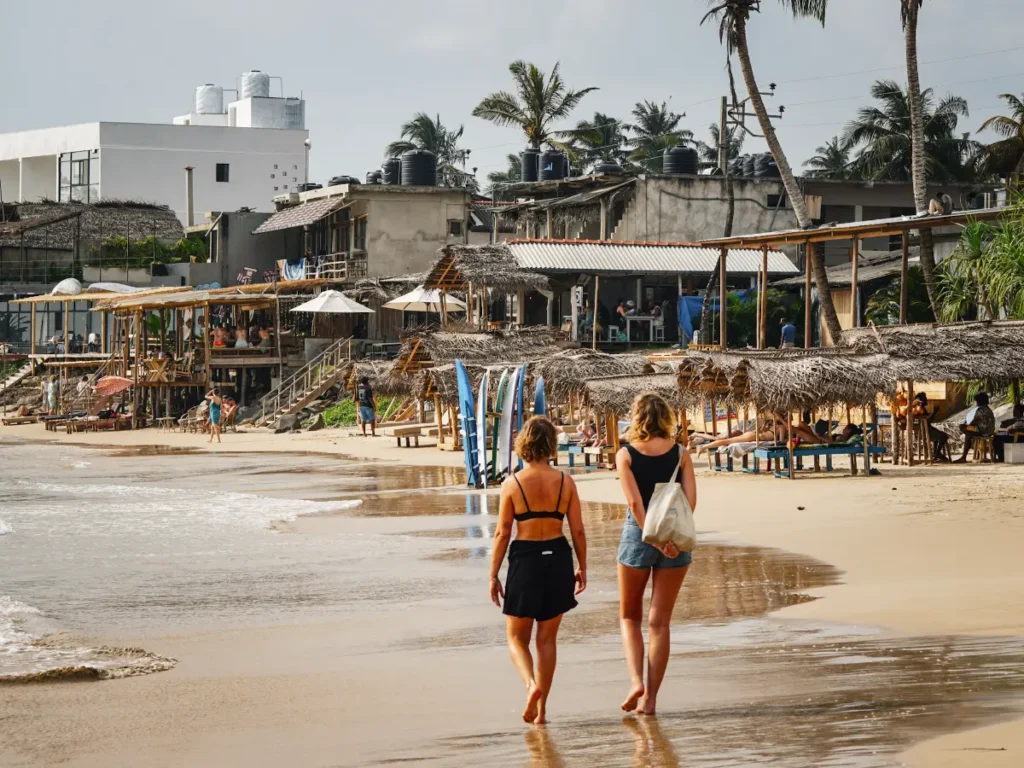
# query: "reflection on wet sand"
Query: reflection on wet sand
{"points": [[867, 702]]}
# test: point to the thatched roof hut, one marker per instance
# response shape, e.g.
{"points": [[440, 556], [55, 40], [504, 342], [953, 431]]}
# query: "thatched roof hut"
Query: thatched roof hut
{"points": [[617, 393], [485, 266], [58, 226], [383, 378], [428, 347], [990, 351], [568, 371], [784, 380]]}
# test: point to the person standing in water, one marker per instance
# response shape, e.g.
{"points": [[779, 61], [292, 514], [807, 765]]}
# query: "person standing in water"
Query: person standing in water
{"points": [[651, 457], [216, 401], [540, 585]]}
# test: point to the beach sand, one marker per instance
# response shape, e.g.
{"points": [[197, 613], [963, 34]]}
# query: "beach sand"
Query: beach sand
{"points": [[928, 606]]}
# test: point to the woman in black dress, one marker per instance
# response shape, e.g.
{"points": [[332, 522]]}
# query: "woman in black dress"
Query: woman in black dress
{"points": [[540, 585]]}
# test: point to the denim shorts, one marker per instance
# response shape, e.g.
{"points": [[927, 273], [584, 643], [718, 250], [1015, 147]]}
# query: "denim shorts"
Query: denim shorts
{"points": [[633, 552], [366, 414]]}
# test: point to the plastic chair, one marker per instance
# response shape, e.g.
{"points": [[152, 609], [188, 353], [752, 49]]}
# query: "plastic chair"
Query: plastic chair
{"points": [[659, 333]]}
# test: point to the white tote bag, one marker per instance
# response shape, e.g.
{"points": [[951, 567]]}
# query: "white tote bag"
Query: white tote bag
{"points": [[669, 517]]}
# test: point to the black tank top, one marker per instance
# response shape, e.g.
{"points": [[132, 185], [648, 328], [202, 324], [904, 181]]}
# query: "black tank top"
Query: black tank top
{"points": [[651, 470]]}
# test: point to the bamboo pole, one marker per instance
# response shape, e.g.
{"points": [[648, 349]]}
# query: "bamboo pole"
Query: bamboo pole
{"points": [[66, 350], [807, 296], [438, 416], [722, 300], [206, 342], [904, 298], [593, 325], [867, 444], [764, 297], [910, 424], [854, 314], [135, 369], [32, 339], [789, 442]]}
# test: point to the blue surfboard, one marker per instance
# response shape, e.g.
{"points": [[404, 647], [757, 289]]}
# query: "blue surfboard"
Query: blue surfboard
{"points": [[540, 407], [467, 419], [520, 386]]}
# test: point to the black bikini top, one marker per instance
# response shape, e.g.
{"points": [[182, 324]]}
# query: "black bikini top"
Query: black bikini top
{"points": [[529, 514]]}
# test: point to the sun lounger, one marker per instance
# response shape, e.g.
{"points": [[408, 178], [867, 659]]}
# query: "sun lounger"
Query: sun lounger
{"points": [[780, 455], [15, 421]]}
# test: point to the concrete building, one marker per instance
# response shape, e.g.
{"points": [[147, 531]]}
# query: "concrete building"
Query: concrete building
{"points": [[352, 231], [243, 155]]}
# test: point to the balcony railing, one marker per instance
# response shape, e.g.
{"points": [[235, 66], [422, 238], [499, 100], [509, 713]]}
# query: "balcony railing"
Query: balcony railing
{"points": [[337, 266]]}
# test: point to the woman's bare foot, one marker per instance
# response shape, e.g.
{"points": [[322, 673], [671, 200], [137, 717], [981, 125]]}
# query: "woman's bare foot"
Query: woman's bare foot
{"points": [[533, 700], [647, 706], [634, 696], [541, 718]]}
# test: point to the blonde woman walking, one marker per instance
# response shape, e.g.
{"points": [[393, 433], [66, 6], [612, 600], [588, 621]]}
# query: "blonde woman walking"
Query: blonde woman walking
{"points": [[650, 458], [541, 584]]}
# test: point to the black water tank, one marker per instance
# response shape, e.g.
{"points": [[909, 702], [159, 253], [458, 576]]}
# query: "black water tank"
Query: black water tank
{"points": [[552, 165], [391, 171], [530, 164], [337, 180], [748, 165], [607, 168], [373, 177], [679, 160], [419, 168], [765, 167], [308, 186]]}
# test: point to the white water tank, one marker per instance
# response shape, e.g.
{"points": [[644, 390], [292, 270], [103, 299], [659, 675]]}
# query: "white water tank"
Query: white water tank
{"points": [[209, 100], [254, 83]]}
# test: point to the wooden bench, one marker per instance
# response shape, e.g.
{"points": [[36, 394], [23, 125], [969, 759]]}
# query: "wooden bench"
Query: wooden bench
{"points": [[407, 433], [571, 451], [781, 455], [15, 421]]}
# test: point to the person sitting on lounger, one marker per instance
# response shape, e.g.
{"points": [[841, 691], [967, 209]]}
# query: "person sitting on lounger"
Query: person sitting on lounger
{"points": [[588, 433], [769, 432]]}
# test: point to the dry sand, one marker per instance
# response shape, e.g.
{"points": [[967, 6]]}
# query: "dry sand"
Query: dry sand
{"points": [[923, 551]]}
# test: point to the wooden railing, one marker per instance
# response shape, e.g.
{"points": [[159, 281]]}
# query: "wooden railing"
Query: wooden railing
{"points": [[337, 266], [310, 379]]}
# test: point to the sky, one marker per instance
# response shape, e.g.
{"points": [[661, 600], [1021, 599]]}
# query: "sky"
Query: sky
{"points": [[364, 68]]}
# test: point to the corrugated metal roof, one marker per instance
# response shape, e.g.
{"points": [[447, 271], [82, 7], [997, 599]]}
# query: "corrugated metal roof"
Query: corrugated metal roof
{"points": [[299, 215], [590, 257]]}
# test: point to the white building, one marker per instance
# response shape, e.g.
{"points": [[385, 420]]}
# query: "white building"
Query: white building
{"points": [[243, 155]]}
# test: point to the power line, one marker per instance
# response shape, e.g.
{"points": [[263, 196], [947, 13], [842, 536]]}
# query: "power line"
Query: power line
{"points": [[890, 93]]}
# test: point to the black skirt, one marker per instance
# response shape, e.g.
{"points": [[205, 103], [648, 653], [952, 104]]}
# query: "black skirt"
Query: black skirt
{"points": [[541, 581]]}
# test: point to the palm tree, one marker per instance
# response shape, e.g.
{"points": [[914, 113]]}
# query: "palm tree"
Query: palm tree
{"points": [[596, 141], [708, 152], [732, 17], [538, 102], [1006, 157], [422, 132], [887, 147], [655, 129], [832, 161], [511, 175]]}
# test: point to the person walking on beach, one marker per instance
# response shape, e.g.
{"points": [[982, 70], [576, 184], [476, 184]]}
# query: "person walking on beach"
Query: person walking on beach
{"points": [[367, 406], [52, 394], [540, 585], [788, 339], [216, 401], [650, 458]]}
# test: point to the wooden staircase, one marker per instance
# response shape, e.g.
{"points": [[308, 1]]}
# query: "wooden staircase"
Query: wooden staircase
{"points": [[306, 384], [17, 377]]}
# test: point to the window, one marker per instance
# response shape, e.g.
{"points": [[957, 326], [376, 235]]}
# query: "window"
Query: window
{"points": [[360, 238], [79, 176], [777, 201], [222, 171], [275, 189], [275, 166], [455, 228]]}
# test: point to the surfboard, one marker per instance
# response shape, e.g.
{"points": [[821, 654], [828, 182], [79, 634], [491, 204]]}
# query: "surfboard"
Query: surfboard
{"points": [[499, 400], [520, 416], [467, 420], [505, 431], [481, 429], [540, 407]]}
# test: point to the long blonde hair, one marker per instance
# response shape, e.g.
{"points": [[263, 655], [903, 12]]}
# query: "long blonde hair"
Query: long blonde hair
{"points": [[652, 417]]}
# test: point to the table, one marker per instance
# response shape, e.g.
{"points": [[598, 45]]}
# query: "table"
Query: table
{"points": [[649, 319], [156, 369]]}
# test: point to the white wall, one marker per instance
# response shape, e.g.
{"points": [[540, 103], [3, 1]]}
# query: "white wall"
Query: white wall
{"points": [[49, 141], [10, 182], [39, 178], [146, 162]]}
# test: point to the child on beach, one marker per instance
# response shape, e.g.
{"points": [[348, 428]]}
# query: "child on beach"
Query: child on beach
{"points": [[540, 585]]}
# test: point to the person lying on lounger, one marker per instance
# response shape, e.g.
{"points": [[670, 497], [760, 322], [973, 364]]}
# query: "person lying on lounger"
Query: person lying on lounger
{"points": [[769, 432]]}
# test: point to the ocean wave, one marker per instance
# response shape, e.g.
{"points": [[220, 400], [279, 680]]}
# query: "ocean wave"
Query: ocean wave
{"points": [[28, 658], [5, 528]]}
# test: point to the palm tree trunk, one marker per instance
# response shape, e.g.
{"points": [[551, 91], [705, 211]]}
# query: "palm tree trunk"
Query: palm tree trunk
{"points": [[796, 199], [917, 165]]}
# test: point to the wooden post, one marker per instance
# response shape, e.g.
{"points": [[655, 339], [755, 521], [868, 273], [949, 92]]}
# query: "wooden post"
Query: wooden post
{"points": [[135, 368], [32, 335], [611, 421], [764, 297], [789, 442], [714, 418], [521, 307], [593, 325], [438, 418], [722, 297], [854, 311], [757, 310], [910, 423], [470, 308], [685, 427], [807, 296], [103, 332], [206, 342], [163, 332], [904, 298], [66, 350], [867, 443], [548, 233]]}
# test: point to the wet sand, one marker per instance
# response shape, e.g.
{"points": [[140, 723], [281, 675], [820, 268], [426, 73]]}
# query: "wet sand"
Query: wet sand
{"points": [[920, 637]]}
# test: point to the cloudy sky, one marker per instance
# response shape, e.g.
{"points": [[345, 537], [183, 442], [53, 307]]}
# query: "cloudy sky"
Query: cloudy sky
{"points": [[365, 67]]}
